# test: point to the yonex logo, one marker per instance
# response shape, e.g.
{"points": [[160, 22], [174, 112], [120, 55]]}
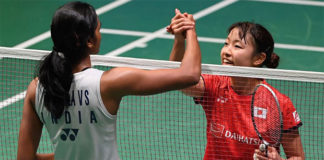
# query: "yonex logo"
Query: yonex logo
{"points": [[69, 133], [222, 99]]}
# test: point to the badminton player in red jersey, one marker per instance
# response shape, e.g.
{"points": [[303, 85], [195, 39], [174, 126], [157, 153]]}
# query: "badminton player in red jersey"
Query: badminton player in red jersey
{"points": [[226, 100]]}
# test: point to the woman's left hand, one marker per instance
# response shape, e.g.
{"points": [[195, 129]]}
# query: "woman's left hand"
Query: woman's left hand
{"points": [[272, 154]]}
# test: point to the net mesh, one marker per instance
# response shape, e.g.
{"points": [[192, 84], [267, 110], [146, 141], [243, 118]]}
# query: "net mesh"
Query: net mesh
{"points": [[266, 115], [167, 125]]}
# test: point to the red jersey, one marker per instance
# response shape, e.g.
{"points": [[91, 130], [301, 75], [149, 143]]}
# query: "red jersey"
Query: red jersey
{"points": [[230, 132]]}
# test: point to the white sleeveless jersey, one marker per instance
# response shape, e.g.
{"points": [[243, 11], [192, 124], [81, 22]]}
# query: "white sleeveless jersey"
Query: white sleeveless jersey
{"points": [[86, 130]]}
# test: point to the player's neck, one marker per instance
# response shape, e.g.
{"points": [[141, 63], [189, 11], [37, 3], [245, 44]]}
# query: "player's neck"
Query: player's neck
{"points": [[244, 86], [84, 64]]}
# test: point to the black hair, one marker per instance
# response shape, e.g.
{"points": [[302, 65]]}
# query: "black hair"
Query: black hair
{"points": [[72, 26], [262, 38]]}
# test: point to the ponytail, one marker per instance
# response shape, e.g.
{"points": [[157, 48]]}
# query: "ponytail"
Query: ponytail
{"points": [[72, 26], [55, 75], [272, 61]]}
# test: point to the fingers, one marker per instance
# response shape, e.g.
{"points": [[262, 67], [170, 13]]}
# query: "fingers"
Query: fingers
{"points": [[168, 28], [272, 153], [180, 23], [272, 149], [190, 16], [185, 14], [182, 26], [255, 156], [257, 151], [181, 20], [174, 20], [177, 15], [177, 11], [258, 155]]}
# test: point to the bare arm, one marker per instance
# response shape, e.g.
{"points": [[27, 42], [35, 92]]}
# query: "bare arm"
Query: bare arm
{"points": [[130, 81], [291, 142], [30, 129], [178, 48], [178, 51], [176, 28], [120, 82]]}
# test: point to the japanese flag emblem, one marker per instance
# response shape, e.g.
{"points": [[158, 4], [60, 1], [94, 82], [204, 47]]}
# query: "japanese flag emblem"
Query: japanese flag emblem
{"points": [[260, 112]]}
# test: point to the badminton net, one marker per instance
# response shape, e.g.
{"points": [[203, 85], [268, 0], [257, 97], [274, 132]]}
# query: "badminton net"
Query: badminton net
{"points": [[169, 125]]}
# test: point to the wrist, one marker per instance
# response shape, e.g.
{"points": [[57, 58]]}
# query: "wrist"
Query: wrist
{"points": [[179, 38], [191, 33]]}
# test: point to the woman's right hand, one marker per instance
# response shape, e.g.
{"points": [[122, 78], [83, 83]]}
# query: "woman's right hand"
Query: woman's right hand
{"points": [[180, 23], [272, 154]]}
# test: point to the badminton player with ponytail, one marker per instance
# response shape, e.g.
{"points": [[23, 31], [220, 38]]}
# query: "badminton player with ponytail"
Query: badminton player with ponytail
{"points": [[227, 100], [78, 104]]}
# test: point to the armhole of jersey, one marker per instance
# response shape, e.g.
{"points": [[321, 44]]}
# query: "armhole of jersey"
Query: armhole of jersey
{"points": [[289, 104], [37, 100], [293, 128], [39, 90], [204, 86], [102, 107]]}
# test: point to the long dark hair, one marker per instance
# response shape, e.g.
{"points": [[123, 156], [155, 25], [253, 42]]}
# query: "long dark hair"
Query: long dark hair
{"points": [[262, 38], [72, 26]]}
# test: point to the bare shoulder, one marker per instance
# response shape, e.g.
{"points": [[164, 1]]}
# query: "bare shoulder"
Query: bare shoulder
{"points": [[31, 91], [116, 73], [114, 76], [32, 85], [114, 79]]}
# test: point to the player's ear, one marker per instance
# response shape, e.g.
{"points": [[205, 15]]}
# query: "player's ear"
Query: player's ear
{"points": [[90, 43], [258, 59]]}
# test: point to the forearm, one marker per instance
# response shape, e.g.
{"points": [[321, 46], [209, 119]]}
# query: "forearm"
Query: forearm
{"points": [[192, 57], [292, 145], [178, 49]]}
